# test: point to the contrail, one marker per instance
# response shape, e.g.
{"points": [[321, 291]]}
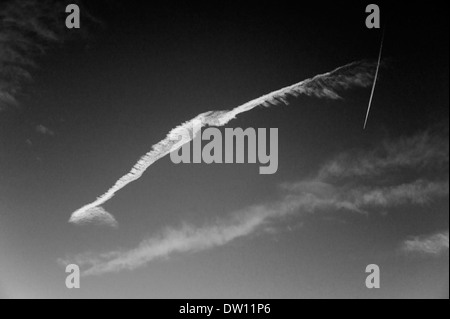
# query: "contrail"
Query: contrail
{"points": [[356, 74], [375, 81]]}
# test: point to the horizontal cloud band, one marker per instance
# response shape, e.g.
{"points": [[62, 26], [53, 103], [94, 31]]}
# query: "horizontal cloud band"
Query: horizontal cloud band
{"points": [[328, 191]]}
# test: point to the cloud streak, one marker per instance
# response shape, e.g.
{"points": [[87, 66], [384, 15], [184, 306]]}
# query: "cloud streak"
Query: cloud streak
{"points": [[363, 199], [187, 239], [310, 196], [357, 74], [420, 152], [431, 245], [27, 29]]}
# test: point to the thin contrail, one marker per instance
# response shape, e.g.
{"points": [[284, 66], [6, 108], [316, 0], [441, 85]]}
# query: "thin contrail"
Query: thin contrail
{"points": [[375, 81], [356, 74]]}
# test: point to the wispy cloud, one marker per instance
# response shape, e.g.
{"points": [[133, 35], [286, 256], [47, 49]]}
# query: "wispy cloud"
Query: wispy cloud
{"points": [[28, 28], [434, 245], [362, 180], [41, 129], [305, 197], [422, 151], [186, 239], [357, 74], [364, 199]]}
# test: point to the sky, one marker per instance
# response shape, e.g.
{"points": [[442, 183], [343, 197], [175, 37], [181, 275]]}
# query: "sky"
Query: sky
{"points": [[78, 109]]}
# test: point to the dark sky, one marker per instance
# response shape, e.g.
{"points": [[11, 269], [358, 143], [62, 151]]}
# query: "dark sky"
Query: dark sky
{"points": [[110, 91]]}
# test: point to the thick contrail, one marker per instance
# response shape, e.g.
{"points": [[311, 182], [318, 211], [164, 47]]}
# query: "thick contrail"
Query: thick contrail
{"points": [[356, 74], [374, 82]]}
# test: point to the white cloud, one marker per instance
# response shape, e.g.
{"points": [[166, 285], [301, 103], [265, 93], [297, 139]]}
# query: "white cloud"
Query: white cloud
{"points": [[434, 245], [305, 197], [98, 216]]}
